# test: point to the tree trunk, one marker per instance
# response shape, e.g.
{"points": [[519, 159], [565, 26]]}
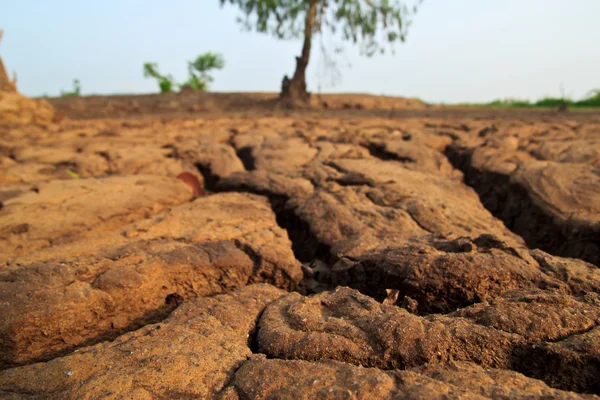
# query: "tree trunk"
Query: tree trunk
{"points": [[294, 90]]}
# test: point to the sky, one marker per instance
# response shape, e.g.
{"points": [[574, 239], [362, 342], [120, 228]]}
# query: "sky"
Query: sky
{"points": [[456, 50]]}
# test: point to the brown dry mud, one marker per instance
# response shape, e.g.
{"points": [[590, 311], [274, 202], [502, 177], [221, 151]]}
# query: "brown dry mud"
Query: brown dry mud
{"points": [[219, 247]]}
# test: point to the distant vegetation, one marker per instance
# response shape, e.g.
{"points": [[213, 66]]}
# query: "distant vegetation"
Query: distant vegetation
{"points": [[592, 100], [76, 92], [198, 70], [165, 82]]}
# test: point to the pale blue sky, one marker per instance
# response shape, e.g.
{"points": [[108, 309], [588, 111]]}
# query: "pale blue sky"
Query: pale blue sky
{"points": [[457, 50]]}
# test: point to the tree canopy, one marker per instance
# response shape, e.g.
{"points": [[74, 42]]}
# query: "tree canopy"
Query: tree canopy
{"points": [[372, 24]]}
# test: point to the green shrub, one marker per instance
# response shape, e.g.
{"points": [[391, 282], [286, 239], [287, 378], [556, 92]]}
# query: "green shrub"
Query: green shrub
{"points": [[195, 83], [198, 71], [200, 67], [593, 100], [552, 102], [165, 83], [76, 92]]}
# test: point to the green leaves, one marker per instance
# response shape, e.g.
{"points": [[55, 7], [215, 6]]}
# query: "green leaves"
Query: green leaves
{"points": [[372, 24], [201, 66], [165, 83], [195, 83], [282, 18], [207, 61], [73, 174], [198, 73], [151, 70]]}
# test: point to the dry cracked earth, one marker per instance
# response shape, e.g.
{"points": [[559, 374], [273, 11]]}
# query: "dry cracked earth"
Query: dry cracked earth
{"points": [[345, 254]]}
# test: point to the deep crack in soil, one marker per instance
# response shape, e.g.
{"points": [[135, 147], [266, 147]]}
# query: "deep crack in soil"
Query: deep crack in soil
{"points": [[245, 154], [511, 203], [210, 179]]}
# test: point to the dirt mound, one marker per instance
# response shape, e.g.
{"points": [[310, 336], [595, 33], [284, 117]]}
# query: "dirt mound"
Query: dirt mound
{"points": [[278, 254], [189, 103], [6, 84], [365, 102], [18, 109]]}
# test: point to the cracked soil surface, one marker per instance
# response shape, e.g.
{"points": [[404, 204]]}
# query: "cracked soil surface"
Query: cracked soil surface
{"points": [[378, 249]]}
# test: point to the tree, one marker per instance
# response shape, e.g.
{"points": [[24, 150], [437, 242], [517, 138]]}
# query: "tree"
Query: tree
{"points": [[370, 23], [199, 68]]}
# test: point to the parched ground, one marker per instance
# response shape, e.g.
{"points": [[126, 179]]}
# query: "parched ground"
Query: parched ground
{"points": [[376, 248]]}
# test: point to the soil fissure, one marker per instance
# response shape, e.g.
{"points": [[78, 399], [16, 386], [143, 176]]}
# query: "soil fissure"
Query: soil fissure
{"points": [[511, 204]]}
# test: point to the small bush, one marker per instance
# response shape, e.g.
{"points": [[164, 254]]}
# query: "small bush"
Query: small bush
{"points": [[76, 92], [198, 71], [551, 102], [195, 83], [593, 100], [165, 83]]}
